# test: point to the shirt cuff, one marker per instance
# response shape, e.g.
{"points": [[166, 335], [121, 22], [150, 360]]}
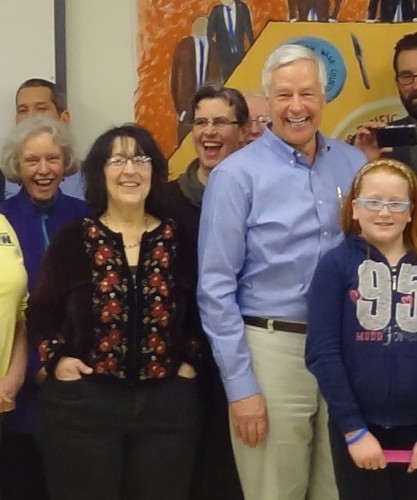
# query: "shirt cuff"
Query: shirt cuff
{"points": [[241, 387]]}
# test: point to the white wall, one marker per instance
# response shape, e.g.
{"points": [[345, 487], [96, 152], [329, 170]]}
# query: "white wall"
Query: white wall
{"points": [[26, 50], [101, 62]]}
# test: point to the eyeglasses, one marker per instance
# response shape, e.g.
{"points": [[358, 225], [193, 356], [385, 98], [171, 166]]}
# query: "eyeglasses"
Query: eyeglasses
{"points": [[378, 205], [121, 161], [261, 120], [406, 78], [220, 122]]}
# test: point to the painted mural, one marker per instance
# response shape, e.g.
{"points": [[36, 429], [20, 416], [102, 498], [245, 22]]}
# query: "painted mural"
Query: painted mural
{"points": [[182, 45]]}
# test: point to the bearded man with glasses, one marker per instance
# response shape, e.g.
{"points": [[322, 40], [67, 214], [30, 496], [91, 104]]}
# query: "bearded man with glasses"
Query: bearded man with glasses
{"points": [[405, 69]]}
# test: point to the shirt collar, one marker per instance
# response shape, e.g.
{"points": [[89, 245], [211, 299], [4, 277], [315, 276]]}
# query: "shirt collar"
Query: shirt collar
{"points": [[288, 152]]}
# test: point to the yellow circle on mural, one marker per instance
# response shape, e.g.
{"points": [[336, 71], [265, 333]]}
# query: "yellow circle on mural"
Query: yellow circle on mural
{"points": [[382, 111]]}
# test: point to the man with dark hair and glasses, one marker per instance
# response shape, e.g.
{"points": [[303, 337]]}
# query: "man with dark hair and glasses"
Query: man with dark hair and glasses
{"points": [[405, 70]]}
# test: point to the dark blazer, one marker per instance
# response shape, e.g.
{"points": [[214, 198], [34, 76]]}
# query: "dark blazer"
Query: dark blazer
{"points": [[215, 474], [183, 73], [217, 30]]}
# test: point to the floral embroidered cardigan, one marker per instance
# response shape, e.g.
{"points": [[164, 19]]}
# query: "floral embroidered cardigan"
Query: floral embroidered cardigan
{"points": [[89, 305]]}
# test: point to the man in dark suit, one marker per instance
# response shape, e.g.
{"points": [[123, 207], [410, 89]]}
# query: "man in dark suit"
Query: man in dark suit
{"points": [[194, 63], [230, 26]]}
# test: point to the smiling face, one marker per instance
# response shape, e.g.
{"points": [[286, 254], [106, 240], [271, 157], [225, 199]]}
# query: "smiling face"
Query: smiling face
{"points": [[31, 101], [213, 144], [41, 167], [295, 104], [382, 229], [129, 184]]}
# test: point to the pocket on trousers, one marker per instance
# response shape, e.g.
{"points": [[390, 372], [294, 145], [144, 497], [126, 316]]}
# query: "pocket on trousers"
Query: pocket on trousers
{"points": [[63, 389]]}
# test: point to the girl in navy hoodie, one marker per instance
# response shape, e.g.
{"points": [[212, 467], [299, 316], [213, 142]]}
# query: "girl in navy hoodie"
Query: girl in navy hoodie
{"points": [[362, 338]]}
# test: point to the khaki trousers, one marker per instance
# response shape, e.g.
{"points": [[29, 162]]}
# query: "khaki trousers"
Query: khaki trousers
{"points": [[295, 461]]}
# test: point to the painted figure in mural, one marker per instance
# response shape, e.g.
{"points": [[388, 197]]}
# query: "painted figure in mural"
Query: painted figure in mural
{"points": [[313, 10], [258, 116], [194, 63], [317, 10], [269, 213], [231, 27], [392, 10], [220, 116], [335, 12], [405, 68]]}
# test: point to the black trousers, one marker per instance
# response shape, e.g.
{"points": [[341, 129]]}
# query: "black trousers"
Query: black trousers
{"points": [[391, 483], [106, 441]]}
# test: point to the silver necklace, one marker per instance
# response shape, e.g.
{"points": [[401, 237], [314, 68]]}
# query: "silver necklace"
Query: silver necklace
{"points": [[132, 245]]}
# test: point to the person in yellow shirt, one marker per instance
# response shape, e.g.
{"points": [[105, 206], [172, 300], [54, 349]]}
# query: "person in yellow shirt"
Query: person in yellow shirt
{"points": [[13, 299]]}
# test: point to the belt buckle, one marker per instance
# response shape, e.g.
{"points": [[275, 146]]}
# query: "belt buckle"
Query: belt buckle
{"points": [[270, 325]]}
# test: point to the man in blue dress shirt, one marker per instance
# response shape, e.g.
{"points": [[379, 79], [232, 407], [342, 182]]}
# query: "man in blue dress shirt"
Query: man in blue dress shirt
{"points": [[270, 211], [37, 96]]}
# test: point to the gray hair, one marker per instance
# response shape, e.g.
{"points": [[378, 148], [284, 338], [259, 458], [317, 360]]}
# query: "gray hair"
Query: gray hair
{"points": [[286, 54], [32, 127]]}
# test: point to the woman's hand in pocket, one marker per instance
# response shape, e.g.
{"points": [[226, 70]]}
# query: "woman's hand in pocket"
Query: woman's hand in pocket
{"points": [[70, 369], [187, 371]]}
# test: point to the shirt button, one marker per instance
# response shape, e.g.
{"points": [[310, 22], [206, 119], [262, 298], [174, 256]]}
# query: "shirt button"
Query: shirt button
{"points": [[319, 202], [325, 233]]}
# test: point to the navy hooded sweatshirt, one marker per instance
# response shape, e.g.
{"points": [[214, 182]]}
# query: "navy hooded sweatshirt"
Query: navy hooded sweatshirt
{"points": [[362, 336]]}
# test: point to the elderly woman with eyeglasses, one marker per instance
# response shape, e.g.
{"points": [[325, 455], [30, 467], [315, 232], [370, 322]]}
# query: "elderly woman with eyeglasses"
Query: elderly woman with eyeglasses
{"points": [[120, 411], [38, 154]]}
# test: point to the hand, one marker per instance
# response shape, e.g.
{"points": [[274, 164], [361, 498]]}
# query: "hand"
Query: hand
{"points": [[69, 369], [365, 140], [249, 419], [186, 371], [413, 464], [367, 452]]}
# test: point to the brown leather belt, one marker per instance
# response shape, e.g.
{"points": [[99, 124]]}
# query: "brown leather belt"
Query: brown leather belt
{"points": [[275, 324]]}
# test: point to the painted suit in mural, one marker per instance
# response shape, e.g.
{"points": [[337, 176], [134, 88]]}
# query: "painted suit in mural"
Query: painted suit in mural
{"points": [[230, 42], [388, 8], [195, 62]]}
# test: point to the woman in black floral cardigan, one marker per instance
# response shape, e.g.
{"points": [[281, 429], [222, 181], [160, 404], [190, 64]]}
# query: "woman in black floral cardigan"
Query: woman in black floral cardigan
{"points": [[119, 413]]}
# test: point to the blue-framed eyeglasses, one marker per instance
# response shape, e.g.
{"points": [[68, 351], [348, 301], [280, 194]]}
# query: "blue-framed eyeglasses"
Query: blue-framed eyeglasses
{"points": [[378, 205]]}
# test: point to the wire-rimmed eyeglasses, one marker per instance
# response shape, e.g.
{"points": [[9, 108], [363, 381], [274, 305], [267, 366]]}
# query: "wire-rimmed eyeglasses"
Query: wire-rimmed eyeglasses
{"points": [[261, 120], [218, 123], [121, 161]]}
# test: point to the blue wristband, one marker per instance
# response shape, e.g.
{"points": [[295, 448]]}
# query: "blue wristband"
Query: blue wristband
{"points": [[357, 436]]}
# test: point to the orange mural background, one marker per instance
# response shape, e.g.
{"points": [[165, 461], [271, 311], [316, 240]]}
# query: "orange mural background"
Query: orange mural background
{"points": [[162, 24]]}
